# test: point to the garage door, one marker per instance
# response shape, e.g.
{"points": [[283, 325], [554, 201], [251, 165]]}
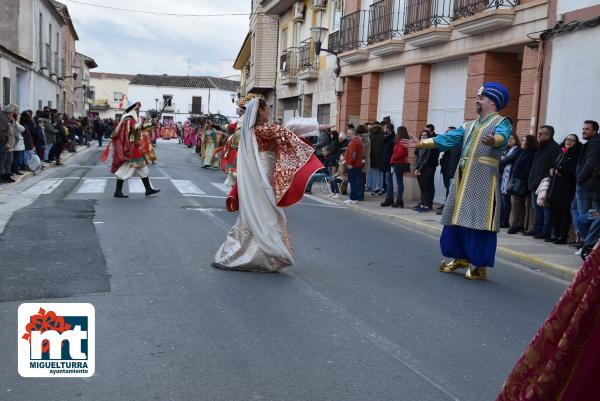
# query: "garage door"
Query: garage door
{"points": [[391, 96], [447, 92]]}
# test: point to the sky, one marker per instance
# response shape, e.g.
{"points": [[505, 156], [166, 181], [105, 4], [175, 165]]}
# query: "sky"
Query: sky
{"points": [[134, 43]]}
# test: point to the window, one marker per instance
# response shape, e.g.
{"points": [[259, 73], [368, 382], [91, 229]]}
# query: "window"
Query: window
{"points": [[41, 41], [323, 113], [297, 34], [6, 90], [117, 96], [337, 15], [40, 105], [284, 39], [196, 105]]}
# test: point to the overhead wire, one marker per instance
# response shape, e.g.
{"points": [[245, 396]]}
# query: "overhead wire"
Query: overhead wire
{"points": [[159, 13]]}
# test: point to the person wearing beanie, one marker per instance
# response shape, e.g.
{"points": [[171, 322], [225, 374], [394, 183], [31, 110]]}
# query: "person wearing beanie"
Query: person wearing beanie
{"points": [[471, 213]]}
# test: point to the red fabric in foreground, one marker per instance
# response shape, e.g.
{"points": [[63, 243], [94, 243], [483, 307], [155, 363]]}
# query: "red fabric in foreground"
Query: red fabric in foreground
{"points": [[563, 360], [293, 194], [296, 190]]}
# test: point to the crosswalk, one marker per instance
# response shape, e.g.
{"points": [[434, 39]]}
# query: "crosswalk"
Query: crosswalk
{"points": [[103, 187], [96, 186]]}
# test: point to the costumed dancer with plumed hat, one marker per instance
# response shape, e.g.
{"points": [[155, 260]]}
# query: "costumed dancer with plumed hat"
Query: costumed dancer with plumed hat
{"points": [[128, 156], [471, 213]]}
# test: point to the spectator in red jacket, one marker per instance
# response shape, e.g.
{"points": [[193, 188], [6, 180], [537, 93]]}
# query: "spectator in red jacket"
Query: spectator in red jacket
{"points": [[399, 167], [354, 155]]}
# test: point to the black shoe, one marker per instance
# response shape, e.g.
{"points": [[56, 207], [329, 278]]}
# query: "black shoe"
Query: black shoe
{"points": [[152, 191], [504, 225], [530, 233], [8, 178], [514, 230], [387, 202], [560, 241], [550, 239], [440, 208], [306, 191], [416, 208], [399, 203], [539, 236], [120, 195], [440, 211]]}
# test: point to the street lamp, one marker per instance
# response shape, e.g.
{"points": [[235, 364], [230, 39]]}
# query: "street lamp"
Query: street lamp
{"points": [[232, 97], [156, 104], [318, 34]]}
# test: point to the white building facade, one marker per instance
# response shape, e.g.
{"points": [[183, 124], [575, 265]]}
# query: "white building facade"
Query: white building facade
{"points": [[108, 91], [190, 95]]}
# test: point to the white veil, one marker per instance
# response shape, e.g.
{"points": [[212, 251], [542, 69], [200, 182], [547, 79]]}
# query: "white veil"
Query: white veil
{"points": [[258, 206]]}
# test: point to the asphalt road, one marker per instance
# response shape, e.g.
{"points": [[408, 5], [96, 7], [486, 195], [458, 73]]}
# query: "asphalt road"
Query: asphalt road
{"points": [[363, 315]]}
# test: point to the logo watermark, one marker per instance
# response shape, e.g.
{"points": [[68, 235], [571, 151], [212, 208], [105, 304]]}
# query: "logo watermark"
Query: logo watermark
{"points": [[56, 340]]}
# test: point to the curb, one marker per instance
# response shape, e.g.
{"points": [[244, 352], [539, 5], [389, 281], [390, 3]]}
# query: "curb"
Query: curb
{"points": [[27, 174], [553, 269]]}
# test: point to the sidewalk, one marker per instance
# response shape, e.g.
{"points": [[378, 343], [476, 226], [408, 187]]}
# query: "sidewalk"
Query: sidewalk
{"points": [[48, 167], [556, 260]]}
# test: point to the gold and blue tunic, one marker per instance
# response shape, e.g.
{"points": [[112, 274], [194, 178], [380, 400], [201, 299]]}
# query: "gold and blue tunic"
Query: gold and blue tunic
{"points": [[472, 209]]}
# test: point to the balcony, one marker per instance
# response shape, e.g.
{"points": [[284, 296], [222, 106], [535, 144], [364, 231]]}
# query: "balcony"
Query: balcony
{"points": [[353, 36], [99, 104], [288, 69], [473, 17], [309, 64], [385, 28], [426, 22]]}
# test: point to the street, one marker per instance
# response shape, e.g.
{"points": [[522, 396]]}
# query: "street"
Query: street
{"points": [[363, 315]]}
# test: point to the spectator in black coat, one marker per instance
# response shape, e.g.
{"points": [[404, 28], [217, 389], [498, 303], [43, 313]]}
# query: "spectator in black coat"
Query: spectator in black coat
{"points": [[448, 165], [388, 149], [427, 161], [587, 165], [334, 151], [518, 184], [548, 151], [562, 187]]}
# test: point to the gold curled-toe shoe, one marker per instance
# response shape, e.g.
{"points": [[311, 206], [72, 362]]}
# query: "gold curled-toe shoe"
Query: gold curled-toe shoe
{"points": [[475, 273], [454, 264]]}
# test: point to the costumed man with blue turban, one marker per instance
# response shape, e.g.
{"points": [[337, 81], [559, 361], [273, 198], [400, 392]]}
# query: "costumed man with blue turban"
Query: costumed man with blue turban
{"points": [[472, 210]]}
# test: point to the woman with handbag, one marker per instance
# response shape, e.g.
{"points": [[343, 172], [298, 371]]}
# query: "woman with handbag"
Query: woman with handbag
{"points": [[517, 185], [399, 166], [562, 188], [507, 160]]}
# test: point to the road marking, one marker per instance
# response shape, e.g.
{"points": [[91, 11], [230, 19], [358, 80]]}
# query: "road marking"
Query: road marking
{"points": [[92, 186], [222, 187], [205, 196], [44, 187], [321, 200], [136, 186], [187, 187]]}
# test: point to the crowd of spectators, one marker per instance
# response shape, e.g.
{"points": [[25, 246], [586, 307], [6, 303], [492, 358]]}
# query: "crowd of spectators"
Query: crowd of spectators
{"points": [[549, 191], [45, 134]]}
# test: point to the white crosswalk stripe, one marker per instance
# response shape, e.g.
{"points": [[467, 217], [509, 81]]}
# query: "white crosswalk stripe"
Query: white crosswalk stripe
{"points": [[222, 187], [45, 186], [92, 186], [136, 186], [186, 187]]}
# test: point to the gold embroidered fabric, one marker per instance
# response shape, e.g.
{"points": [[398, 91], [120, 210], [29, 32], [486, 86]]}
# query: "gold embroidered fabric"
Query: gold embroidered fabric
{"points": [[291, 153], [556, 365]]}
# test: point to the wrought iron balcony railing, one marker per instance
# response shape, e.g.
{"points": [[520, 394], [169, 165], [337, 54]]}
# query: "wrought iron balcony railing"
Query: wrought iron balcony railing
{"points": [[467, 8], [354, 30], [386, 20], [306, 52], [423, 14], [288, 65]]}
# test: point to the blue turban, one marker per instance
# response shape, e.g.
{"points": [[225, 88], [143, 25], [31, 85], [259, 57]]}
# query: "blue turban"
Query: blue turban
{"points": [[496, 92]]}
